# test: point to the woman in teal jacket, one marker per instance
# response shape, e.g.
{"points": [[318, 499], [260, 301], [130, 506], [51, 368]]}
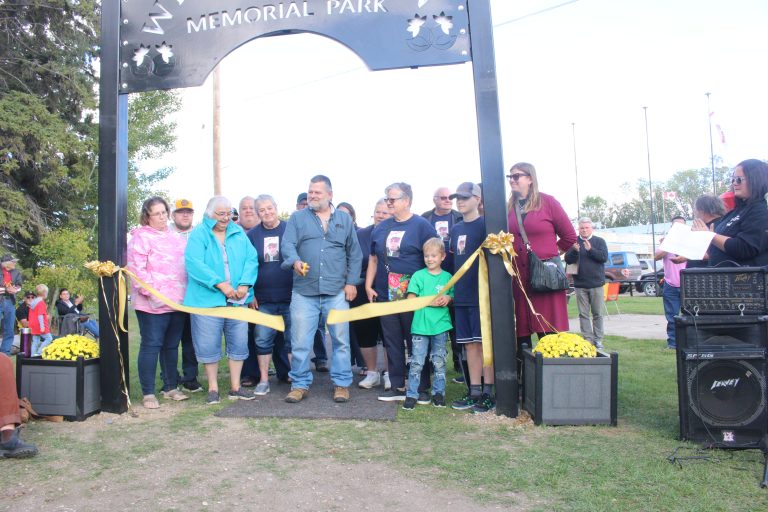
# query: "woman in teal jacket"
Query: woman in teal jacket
{"points": [[222, 266]]}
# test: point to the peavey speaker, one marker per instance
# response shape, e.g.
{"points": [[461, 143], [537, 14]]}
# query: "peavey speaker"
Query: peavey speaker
{"points": [[722, 397]]}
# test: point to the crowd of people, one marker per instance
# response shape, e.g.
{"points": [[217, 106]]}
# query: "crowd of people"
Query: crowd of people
{"points": [[320, 260]]}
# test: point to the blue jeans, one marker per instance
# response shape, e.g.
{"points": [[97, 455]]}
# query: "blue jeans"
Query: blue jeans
{"points": [[160, 334], [39, 342], [265, 336], [435, 347], [671, 298], [306, 311], [91, 326], [188, 358], [8, 314], [206, 336]]}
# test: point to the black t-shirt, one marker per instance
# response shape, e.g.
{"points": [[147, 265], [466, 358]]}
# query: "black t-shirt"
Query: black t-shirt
{"points": [[273, 284], [399, 245], [443, 225], [748, 244], [466, 237]]}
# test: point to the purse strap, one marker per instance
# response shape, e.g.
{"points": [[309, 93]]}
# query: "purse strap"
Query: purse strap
{"points": [[522, 228]]}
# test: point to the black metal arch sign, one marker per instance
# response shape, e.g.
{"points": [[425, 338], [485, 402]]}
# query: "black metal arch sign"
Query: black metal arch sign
{"points": [[176, 43], [167, 44]]}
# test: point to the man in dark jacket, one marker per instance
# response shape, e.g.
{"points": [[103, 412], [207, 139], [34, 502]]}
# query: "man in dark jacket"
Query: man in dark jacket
{"points": [[590, 253], [9, 287]]}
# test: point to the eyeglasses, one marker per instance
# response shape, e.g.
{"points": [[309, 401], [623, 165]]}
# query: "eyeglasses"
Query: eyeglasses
{"points": [[738, 180], [223, 214], [443, 198], [159, 214], [516, 176], [391, 200]]}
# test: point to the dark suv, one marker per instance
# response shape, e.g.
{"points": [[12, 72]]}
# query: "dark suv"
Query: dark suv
{"points": [[622, 266]]}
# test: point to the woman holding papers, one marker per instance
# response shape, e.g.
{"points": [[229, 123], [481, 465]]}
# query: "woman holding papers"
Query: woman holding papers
{"points": [[740, 235]]}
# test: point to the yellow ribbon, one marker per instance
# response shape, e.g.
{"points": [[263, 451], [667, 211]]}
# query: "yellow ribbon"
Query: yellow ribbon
{"points": [[244, 314], [500, 244]]}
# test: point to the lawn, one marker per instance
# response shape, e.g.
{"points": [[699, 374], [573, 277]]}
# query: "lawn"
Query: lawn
{"points": [[497, 461], [639, 305]]}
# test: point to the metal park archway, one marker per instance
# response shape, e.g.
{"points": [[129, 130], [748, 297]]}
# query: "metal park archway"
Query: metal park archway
{"points": [[165, 44]]}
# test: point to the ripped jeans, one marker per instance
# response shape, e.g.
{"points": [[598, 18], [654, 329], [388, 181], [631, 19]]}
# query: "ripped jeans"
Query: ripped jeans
{"points": [[435, 347]]}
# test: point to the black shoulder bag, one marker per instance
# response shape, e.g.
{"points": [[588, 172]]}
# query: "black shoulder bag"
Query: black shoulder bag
{"points": [[547, 275]]}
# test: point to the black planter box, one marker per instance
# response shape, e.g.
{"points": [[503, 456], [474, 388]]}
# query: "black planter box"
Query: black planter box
{"points": [[60, 388], [570, 391]]}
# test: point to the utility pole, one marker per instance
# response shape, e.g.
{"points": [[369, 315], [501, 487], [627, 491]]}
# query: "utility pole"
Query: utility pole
{"points": [[650, 189], [576, 172], [217, 130]]}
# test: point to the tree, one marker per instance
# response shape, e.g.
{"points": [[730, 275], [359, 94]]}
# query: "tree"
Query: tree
{"points": [[60, 256], [596, 208], [150, 135]]}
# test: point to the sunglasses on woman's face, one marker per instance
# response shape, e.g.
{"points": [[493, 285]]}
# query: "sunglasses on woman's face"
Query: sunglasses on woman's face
{"points": [[517, 175], [738, 180]]}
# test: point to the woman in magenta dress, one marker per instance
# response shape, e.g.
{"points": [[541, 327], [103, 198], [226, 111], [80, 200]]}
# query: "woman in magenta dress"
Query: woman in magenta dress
{"points": [[550, 233]]}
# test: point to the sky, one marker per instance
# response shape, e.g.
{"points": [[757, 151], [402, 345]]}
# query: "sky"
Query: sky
{"points": [[299, 105]]}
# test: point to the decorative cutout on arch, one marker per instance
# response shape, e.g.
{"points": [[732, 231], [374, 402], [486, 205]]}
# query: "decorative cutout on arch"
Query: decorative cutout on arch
{"points": [[169, 44]]}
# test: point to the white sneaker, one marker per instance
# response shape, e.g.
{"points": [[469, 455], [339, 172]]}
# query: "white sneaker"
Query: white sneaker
{"points": [[371, 380], [387, 383]]}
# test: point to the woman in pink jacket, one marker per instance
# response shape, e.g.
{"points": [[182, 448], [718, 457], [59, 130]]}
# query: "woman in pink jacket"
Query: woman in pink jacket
{"points": [[156, 256]]}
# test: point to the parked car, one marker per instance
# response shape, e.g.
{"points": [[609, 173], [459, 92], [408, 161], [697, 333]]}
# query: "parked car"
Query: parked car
{"points": [[623, 266], [647, 284]]}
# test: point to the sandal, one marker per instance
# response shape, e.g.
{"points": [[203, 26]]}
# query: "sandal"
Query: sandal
{"points": [[248, 382], [175, 395], [150, 402]]}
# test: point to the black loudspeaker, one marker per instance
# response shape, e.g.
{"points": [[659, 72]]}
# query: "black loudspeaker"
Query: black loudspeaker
{"points": [[722, 397]]}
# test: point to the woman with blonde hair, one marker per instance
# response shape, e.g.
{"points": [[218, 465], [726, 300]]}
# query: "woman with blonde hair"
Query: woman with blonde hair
{"points": [[550, 233]]}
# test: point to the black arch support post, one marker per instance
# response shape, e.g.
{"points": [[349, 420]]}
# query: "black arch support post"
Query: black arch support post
{"points": [[113, 201], [492, 173]]}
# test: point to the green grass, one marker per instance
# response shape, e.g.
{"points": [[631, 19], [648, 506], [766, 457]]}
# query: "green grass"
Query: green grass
{"points": [[638, 305], [496, 461]]}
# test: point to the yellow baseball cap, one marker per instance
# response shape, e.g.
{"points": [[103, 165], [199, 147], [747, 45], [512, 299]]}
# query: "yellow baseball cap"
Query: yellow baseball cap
{"points": [[184, 204]]}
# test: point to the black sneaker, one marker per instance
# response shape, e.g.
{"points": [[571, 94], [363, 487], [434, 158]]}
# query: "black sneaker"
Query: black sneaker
{"points": [[485, 404], [393, 395], [240, 394], [409, 404], [438, 400], [212, 398], [458, 380], [192, 386], [423, 398], [321, 366], [465, 403], [15, 448]]}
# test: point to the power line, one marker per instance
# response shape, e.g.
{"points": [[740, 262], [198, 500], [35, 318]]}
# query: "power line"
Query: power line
{"points": [[348, 71]]}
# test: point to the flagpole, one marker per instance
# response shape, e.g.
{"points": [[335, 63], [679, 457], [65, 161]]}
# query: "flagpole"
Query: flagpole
{"points": [[576, 171], [711, 146], [650, 188]]}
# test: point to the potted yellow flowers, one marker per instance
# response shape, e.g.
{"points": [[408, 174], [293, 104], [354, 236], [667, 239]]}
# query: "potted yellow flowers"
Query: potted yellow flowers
{"points": [[65, 382], [566, 381]]}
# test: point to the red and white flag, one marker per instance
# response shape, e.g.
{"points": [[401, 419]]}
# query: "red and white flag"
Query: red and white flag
{"points": [[670, 195], [719, 133]]}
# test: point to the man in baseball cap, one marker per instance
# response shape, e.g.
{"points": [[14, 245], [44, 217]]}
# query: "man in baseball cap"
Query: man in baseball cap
{"points": [[301, 201], [467, 190]]}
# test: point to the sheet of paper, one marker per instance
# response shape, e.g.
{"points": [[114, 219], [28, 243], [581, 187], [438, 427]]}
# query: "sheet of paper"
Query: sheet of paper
{"points": [[683, 241]]}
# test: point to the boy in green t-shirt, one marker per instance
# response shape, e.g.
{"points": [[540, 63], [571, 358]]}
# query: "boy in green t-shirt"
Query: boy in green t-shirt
{"points": [[430, 325]]}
